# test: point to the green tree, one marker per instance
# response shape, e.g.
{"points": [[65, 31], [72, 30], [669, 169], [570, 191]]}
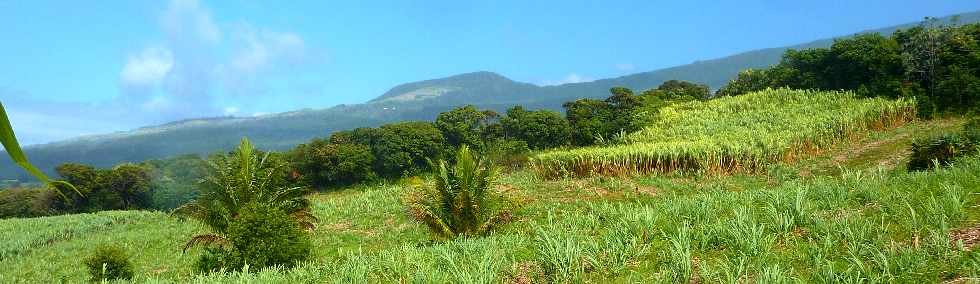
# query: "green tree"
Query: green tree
{"points": [[131, 184], [747, 81], [674, 89], [589, 120], [465, 125], [870, 64], [541, 129], [321, 164], [404, 147], [362, 135]]}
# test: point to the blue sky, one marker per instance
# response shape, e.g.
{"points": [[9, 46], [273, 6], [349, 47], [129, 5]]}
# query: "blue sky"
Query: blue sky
{"points": [[70, 68]]}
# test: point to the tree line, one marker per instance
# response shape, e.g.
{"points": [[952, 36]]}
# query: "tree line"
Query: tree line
{"points": [[937, 64]]}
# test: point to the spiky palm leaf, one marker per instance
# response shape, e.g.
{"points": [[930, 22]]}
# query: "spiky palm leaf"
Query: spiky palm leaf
{"points": [[205, 240], [12, 147], [239, 179], [457, 203]]}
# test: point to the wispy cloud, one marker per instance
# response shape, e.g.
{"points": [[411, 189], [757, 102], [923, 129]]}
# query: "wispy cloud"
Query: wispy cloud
{"points": [[571, 78], [625, 67], [195, 67]]}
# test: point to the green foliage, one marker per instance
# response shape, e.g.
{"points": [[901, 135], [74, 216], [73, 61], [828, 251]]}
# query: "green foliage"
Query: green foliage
{"points": [[127, 186], [236, 180], [747, 81], [934, 63], [723, 135], [458, 204], [361, 135], [465, 126], [109, 263], [261, 236], [404, 147], [942, 150], [321, 164], [26, 202], [971, 131], [599, 122], [175, 180], [540, 129], [511, 154], [676, 89], [12, 147], [589, 120]]}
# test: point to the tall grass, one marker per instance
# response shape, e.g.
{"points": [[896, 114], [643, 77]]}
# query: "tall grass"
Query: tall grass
{"points": [[861, 227], [732, 134]]}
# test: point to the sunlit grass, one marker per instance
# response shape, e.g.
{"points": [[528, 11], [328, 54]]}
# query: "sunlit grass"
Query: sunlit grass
{"points": [[732, 134]]}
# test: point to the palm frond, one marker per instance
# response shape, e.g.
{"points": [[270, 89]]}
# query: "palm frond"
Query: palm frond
{"points": [[206, 240], [456, 204], [12, 147]]}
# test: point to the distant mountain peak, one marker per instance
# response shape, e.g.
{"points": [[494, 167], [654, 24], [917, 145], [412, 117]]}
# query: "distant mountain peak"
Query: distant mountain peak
{"points": [[437, 87]]}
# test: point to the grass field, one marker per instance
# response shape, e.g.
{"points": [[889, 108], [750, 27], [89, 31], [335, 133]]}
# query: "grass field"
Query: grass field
{"points": [[734, 134], [840, 216]]}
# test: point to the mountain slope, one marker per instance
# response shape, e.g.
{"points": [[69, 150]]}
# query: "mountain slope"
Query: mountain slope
{"points": [[421, 100]]}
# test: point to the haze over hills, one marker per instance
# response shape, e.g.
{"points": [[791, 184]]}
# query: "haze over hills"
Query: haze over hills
{"points": [[421, 100]]}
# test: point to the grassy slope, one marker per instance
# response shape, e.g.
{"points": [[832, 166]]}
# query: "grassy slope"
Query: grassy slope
{"points": [[806, 222]]}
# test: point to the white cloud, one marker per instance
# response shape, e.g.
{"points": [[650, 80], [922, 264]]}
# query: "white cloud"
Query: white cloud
{"points": [[571, 78], [189, 18], [197, 64], [625, 67], [231, 110], [147, 68]]}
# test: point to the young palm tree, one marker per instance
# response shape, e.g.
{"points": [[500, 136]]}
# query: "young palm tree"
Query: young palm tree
{"points": [[12, 147], [236, 180], [457, 203]]}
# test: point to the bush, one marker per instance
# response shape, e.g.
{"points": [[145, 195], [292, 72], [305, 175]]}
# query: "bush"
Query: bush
{"points": [[511, 154], [261, 236], [109, 263], [941, 150], [459, 202], [234, 184], [971, 131]]}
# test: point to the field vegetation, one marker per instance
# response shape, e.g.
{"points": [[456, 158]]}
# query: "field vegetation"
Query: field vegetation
{"points": [[735, 134]]}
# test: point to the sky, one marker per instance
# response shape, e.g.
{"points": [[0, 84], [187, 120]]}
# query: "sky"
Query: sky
{"points": [[70, 68]]}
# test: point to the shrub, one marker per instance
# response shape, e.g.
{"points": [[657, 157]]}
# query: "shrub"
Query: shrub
{"points": [[458, 204], [234, 182], [938, 150], [971, 131], [512, 154], [109, 263], [264, 236]]}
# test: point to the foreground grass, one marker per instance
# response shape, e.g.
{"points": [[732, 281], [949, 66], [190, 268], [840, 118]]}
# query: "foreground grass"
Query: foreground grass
{"points": [[854, 228]]}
